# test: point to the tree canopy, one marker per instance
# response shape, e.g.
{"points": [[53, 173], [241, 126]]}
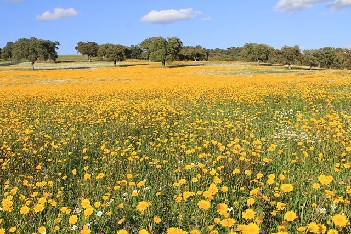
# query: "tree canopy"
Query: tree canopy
{"points": [[252, 52], [161, 49], [89, 49], [194, 53], [290, 54], [6, 52], [32, 49], [111, 52]]}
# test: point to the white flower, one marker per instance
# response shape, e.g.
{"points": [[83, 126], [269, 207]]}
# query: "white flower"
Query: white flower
{"points": [[74, 227], [77, 210], [99, 213], [322, 210]]}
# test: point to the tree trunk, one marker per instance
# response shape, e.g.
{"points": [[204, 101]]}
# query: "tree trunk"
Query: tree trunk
{"points": [[289, 66], [32, 63], [163, 63], [114, 62]]}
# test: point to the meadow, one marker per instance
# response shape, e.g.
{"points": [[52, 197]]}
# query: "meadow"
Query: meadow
{"points": [[196, 148]]}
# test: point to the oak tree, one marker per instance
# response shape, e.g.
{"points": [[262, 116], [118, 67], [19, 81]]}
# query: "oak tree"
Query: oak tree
{"points": [[33, 49], [89, 49], [111, 52]]}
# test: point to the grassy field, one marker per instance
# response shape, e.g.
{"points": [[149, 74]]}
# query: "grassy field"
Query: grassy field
{"points": [[199, 147]]}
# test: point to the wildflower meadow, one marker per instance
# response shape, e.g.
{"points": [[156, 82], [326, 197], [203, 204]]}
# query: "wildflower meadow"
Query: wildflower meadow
{"points": [[194, 148]]}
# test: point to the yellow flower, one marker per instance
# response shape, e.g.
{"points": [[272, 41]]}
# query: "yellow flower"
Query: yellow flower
{"points": [[251, 228], [42, 229], [142, 206], [121, 221], [24, 210], [87, 176], [39, 207], [143, 231], [248, 172], [204, 204], [157, 219], [313, 227], [100, 176], [140, 184], [290, 216], [73, 219], [316, 186], [222, 208], [286, 188], [12, 229], [332, 231], [85, 203], [88, 211], [7, 204], [236, 171], [122, 231], [281, 206], [173, 230], [228, 222], [325, 179], [340, 220], [85, 230], [194, 231], [250, 201], [248, 214], [224, 189]]}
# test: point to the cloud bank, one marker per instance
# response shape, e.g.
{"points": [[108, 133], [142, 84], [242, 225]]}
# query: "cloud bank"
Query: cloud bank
{"points": [[57, 14], [340, 4], [295, 5], [169, 16]]}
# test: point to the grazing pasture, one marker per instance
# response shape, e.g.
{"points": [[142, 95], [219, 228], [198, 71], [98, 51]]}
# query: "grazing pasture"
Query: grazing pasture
{"points": [[194, 148]]}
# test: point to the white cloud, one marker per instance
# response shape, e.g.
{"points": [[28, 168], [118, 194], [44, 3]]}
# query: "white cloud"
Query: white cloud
{"points": [[294, 5], [57, 14], [169, 16], [340, 4]]}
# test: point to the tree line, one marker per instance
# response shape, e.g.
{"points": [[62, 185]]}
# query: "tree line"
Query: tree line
{"points": [[160, 49]]}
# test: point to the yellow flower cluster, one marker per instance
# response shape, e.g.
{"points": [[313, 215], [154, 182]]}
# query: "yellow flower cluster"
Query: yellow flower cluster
{"points": [[197, 148]]}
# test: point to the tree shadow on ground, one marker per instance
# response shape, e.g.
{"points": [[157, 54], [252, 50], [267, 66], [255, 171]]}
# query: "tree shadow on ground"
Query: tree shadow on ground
{"points": [[185, 65], [6, 64], [131, 64]]}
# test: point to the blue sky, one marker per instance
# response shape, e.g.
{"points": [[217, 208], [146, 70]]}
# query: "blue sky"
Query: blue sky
{"points": [[211, 24]]}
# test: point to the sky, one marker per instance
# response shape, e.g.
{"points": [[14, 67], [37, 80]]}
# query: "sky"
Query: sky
{"points": [[310, 24]]}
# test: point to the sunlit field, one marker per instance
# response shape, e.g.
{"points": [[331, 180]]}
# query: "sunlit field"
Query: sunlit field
{"points": [[194, 148]]}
